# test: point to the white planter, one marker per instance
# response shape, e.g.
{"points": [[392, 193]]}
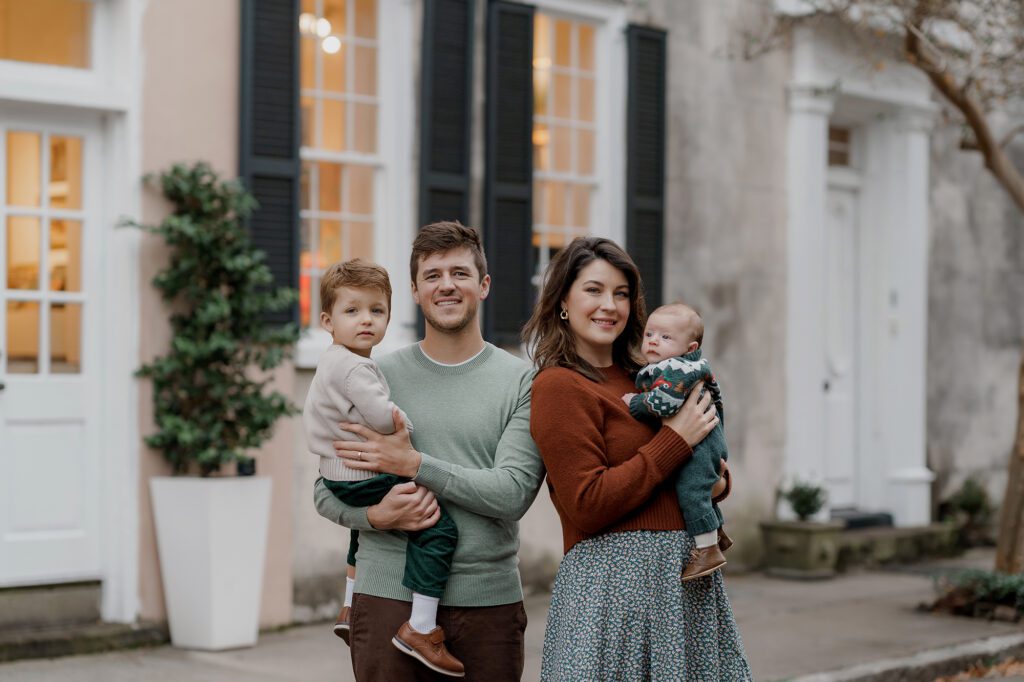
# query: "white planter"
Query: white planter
{"points": [[212, 540]]}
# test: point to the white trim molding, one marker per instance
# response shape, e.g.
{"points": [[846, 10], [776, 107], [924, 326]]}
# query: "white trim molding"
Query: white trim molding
{"points": [[891, 115]]}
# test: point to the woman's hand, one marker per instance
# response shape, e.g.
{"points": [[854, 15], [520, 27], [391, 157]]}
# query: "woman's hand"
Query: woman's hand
{"points": [[722, 485], [694, 421]]}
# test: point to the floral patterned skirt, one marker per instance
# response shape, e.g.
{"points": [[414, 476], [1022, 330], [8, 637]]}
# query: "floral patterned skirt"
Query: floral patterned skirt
{"points": [[619, 612]]}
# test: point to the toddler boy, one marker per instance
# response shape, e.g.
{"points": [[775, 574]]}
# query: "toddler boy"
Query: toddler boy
{"points": [[348, 387]]}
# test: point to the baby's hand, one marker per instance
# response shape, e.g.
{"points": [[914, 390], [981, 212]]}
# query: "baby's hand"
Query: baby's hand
{"points": [[628, 398]]}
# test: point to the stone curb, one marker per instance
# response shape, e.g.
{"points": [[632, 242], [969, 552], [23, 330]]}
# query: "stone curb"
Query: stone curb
{"points": [[927, 665], [75, 640]]}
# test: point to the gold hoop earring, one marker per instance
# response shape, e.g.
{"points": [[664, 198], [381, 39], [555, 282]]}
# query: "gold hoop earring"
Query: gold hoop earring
{"points": [[564, 314]]}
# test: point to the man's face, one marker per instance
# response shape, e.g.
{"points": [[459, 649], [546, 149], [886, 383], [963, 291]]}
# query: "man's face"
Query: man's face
{"points": [[448, 290]]}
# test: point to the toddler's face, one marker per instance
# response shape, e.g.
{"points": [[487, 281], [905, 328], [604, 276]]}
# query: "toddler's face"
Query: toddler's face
{"points": [[358, 319], [665, 336]]}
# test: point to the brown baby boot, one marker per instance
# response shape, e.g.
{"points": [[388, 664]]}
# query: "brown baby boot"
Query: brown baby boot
{"points": [[724, 541], [341, 627], [428, 649], [704, 561]]}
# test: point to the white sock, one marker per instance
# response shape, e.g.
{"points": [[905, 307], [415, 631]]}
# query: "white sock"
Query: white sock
{"points": [[706, 539], [424, 613], [350, 586]]}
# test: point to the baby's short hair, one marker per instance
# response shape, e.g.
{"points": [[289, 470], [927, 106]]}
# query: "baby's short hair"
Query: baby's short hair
{"points": [[690, 316], [356, 273]]}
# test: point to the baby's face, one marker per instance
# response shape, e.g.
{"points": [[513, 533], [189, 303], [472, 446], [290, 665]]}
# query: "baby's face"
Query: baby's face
{"points": [[666, 336]]}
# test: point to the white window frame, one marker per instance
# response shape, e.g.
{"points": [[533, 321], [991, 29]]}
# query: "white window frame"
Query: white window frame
{"points": [[394, 193], [103, 85], [610, 20]]}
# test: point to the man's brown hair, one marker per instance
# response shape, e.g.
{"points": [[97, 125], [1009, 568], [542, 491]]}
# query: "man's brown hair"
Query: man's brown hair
{"points": [[357, 274], [445, 236]]}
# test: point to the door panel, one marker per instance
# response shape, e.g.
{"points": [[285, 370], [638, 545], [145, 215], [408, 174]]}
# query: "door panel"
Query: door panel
{"points": [[51, 264], [840, 384]]}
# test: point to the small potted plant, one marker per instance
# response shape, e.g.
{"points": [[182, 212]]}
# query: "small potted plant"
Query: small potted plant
{"points": [[803, 548], [212, 408]]}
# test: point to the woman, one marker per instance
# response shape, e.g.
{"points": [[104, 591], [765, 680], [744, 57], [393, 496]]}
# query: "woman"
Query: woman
{"points": [[618, 610]]}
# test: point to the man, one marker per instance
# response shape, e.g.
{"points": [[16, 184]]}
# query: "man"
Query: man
{"points": [[470, 402]]}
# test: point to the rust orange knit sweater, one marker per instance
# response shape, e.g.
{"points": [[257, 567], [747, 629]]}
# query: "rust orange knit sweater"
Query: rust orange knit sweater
{"points": [[607, 472]]}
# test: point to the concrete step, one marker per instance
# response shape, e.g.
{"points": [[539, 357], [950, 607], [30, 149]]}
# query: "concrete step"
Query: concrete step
{"points": [[49, 605], [68, 640]]}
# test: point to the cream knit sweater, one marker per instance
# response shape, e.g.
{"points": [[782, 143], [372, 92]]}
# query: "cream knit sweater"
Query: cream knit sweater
{"points": [[346, 388]]}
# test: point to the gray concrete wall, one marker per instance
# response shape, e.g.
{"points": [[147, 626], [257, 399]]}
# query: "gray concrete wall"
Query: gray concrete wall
{"points": [[976, 318]]}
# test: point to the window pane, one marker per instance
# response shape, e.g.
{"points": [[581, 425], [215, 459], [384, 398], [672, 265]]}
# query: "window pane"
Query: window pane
{"points": [[366, 70], [561, 87], [333, 129], [307, 299], [581, 206], [554, 194], [330, 243], [364, 131], [360, 240], [307, 65], [65, 172], [585, 47], [329, 177], [334, 68], [46, 31], [308, 114], [585, 104], [65, 338], [585, 152], [366, 18], [24, 159], [359, 182], [563, 43], [541, 147], [65, 260], [22, 337], [561, 149], [304, 184], [22, 252], [335, 13]]}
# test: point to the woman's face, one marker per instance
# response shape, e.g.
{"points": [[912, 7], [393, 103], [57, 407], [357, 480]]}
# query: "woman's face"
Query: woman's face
{"points": [[598, 307]]}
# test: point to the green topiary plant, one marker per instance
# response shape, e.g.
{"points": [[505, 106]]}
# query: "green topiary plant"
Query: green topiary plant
{"points": [[806, 499], [211, 406]]}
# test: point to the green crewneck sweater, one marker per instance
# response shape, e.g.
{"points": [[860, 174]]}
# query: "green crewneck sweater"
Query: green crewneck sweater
{"points": [[473, 429]]}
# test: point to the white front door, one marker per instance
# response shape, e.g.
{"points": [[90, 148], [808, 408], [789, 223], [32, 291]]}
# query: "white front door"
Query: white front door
{"points": [[842, 282], [49, 406]]}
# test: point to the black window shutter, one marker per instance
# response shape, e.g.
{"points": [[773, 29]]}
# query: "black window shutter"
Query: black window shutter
{"points": [[508, 186], [269, 134], [446, 101], [645, 158]]}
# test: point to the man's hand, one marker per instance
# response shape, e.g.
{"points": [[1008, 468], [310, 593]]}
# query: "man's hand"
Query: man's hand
{"points": [[392, 454], [407, 507]]}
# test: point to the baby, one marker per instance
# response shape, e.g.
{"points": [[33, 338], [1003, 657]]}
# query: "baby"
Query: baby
{"points": [[348, 387], [672, 340]]}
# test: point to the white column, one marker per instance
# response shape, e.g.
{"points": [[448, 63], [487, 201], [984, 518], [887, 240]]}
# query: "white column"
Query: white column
{"points": [[806, 181], [904, 338]]}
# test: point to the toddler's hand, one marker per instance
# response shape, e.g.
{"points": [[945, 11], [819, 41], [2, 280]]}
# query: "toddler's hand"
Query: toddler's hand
{"points": [[628, 398]]}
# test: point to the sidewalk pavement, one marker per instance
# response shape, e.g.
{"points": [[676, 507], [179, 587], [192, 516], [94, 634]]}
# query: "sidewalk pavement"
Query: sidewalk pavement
{"points": [[862, 624]]}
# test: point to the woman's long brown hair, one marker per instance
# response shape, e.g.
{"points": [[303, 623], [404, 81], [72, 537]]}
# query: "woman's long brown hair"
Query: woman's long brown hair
{"points": [[550, 339]]}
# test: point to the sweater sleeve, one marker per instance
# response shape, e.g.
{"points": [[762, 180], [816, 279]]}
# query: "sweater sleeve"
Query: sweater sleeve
{"points": [[336, 511], [566, 423], [504, 491], [369, 395]]}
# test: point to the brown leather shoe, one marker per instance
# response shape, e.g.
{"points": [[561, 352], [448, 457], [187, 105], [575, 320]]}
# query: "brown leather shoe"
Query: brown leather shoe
{"points": [[341, 627], [724, 541], [703, 562], [428, 649]]}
